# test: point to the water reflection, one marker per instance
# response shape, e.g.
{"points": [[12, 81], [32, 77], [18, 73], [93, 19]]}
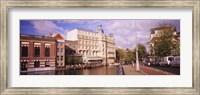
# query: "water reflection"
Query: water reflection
{"points": [[104, 70]]}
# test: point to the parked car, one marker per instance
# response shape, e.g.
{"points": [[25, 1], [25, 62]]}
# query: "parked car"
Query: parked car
{"points": [[166, 61], [156, 63], [176, 62], [147, 62]]}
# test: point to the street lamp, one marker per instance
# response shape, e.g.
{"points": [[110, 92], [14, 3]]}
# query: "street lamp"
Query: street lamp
{"points": [[137, 61]]}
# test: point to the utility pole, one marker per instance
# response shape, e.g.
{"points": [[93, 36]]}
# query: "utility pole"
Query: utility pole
{"points": [[137, 61]]}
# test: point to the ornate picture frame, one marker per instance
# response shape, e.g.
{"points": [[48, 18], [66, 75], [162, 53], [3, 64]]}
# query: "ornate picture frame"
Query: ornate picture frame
{"points": [[4, 55]]}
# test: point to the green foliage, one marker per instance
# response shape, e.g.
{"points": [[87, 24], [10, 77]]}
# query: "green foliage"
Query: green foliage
{"points": [[142, 52], [176, 48], [164, 44], [130, 55], [69, 60], [151, 49], [72, 60], [120, 54]]}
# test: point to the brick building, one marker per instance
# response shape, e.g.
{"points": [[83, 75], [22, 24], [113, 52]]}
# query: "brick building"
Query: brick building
{"points": [[37, 53]]}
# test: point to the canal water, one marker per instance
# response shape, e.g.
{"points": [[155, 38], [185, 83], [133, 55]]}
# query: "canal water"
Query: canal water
{"points": [[103, 70]]}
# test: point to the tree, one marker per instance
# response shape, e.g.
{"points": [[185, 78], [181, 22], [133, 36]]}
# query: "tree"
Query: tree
{"points": [[77, 60], [73, 60], [142, 52], [151, 49], [176, 47], [164, 44], [119, 54], [69, 60], [130, 55]]}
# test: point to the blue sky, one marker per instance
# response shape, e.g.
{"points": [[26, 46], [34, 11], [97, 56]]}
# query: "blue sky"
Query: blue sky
{"points": [[124, 31]]}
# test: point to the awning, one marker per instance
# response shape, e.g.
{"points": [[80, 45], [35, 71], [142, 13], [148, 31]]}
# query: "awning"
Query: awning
{"points": [[94, 58]]}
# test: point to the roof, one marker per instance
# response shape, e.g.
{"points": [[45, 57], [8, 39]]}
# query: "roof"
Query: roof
{"points": [[36, 37], [58, 37]]}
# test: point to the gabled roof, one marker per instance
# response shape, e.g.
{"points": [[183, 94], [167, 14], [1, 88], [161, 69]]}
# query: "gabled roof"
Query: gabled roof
{"points": [[58, 37]]}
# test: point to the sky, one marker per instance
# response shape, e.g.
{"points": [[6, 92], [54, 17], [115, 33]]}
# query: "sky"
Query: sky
{"points": [[124, 31]]}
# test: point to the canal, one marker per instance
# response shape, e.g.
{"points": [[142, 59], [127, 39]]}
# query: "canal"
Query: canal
{"points": [[103, 70]]}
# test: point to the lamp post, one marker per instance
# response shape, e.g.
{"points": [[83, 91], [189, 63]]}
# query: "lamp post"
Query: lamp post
{"points": [[137, 61]]}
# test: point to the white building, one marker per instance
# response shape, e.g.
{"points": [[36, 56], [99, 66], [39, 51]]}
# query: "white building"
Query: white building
{"points": [[94, 46]]}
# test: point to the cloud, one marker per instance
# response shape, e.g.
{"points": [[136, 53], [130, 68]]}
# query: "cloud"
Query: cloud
{"points": [[70, 21], [45, 26], [125, 32]]}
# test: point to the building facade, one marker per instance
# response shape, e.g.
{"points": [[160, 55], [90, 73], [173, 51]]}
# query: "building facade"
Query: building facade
{"points": [[94, 46], [60, 50], [37, 53]]}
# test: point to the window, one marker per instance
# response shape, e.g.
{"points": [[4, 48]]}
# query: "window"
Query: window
{"points": [[24, 65], [47, 64], [57, 49], [47, 52], [24, 51], [37, 64], [37, 52], [57, 58], [61, 58], [61, 50]]}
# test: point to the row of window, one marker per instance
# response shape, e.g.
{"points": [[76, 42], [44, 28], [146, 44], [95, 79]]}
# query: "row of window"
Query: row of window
{"points": [[88, 42], [60, 49], [61, 64], [37, 64], [88, 47], [93, 42], [24, 64], [93, 54], [87, 32], [60, 44], [87, 37], [59, 58], [36, 51]]}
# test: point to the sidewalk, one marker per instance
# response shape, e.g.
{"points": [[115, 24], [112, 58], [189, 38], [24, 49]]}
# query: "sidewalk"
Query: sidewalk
{"points": [[153, 71], [144, 70], [130, 70]]}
